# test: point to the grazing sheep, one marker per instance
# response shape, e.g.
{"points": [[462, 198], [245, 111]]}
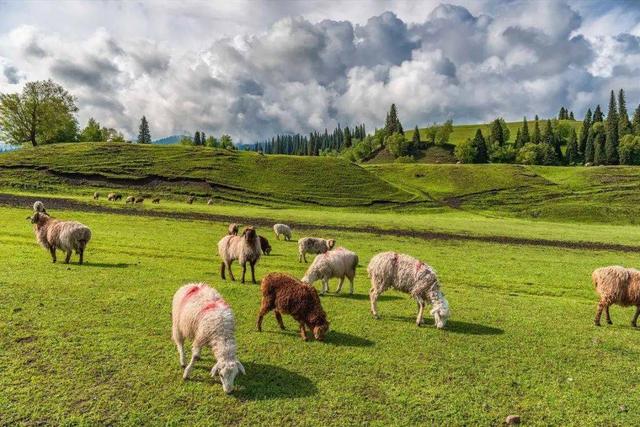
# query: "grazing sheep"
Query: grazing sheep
{"points": [[190, 199], [233, 229], [210, 202], [340, 263], [139, 199], [156, 200], [282, 230], [617, 285], [285, 294], [53, 234], [407, 274], [96, 195], [313, 245], [130, 199], [264, 244], [244, 248], [199, 313], [113, 197], [38, 206]]}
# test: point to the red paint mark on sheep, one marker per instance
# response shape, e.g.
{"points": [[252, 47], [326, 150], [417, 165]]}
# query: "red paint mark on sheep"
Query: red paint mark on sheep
{"points": [[190, 292], [214, 305], [419, 265]]}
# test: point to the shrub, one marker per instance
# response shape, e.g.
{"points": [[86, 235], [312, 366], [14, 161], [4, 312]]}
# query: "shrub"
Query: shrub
{"points": [[466, 152], [529, 154], [630, 150], [504, 154]]}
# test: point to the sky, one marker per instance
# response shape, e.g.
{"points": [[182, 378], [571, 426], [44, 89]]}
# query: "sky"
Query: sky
{"points": [[255, 68]]}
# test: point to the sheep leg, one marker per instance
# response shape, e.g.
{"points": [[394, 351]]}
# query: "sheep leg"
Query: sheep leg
{"points": [[264, 309], [299, 256], [606, 311], [351, 285], [340, 285], [195, 355], [81, 253], [52, 250], [601, 306], [253, 272], [233, 279], [67, 258], [634, 322], [279, 319], [303, 332], [420, 312], [325, 286], [222, 267], [244, 270], [179, 340], [373, 297], [304, 256]]}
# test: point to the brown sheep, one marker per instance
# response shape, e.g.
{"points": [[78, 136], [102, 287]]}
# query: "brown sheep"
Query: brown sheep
{"points": [[264, 244], [156, 200], [113, 197], [245, 248], [191, 199], [96, 195], [139, 199], [233, 229], [285, 294], [617, 285]]}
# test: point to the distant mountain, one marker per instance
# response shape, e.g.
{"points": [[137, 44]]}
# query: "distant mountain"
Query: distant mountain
{"points": [[6, 147], [173, 139]]}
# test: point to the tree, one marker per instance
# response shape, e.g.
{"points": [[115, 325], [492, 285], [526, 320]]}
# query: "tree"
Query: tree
{"points": [[92, 132], [562, 115], [518, 144], [466, 151], [499, 133], [611, 144], [38, 115], [624, 125], [416, 138], [636, 121], [571, 116], [444, 131], [482, 154], [572, 155], [347, 137], [597, 115], [598, 134], [550, 139], [584, 132], [392, 124], [530, 154], [524, 134], [196, 138], [203, 138], [547, 155], [212, 142], [227, 142], [144, 135], [536, 138], [112, 135], [630, 150]]}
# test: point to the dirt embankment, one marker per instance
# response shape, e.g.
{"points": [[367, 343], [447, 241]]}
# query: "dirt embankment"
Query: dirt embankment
{"points": [[69, 204]]}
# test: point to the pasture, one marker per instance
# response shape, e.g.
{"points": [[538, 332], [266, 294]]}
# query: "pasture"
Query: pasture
{"points": [[91, 344]]}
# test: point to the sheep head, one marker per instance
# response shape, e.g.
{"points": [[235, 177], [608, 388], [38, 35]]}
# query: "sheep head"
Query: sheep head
{"points": [[320, 331], [331, 243], [38, 218], [440, 310], [249, 234], [227, 372]]}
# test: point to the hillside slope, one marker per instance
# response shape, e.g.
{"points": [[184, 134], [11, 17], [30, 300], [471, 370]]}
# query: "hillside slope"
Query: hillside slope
{"points": [[178, 170]]}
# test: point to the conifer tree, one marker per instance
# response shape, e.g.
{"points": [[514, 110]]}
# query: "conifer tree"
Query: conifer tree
{"points": [[496, 136], [597, 115], [584, 133], [589, 149], [416, 138], [573, 156], [599, 156], [537, 138], [144, 136], [196, 138], [611, 143], [518, 141], [347, 137], [524, 135], [571, 117], [624, 125], [636, 121], [482, 155], [392, 123]]}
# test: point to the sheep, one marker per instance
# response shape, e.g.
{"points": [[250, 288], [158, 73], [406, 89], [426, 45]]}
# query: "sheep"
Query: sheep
{"points": [[285, 294], [210, 202], [130, 199], [233, 229], [244, 248], [156, 200], [113, 197], [282, 230], [139, 199], [190, 200], [313, 245], [617, 285], [339, 263], [96, 195], [55, 234], [264, 244], [199, 313], [38, 206], [407, 274]]}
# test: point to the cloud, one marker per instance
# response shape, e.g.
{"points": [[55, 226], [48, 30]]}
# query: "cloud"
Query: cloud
{"points": [[437, 61]]}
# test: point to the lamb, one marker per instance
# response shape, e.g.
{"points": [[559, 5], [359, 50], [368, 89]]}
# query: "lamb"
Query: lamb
{"points": [[285, 294], [199, 313], [210, 202], [282, 230], [244, 248], [130, 199], [112, 197], [139, 199], [38, 206], [233, 229], [409, 275], [339, 263], [617, 285], [313, 245], [264, 244], [190, 200], [156, 200], [55, 234], [96, 195]]}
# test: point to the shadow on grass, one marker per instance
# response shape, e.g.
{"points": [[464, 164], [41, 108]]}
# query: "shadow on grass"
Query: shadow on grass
{"points": [[347, 340], [360, 297], [266, 382], [455, 326], [106, 264]]}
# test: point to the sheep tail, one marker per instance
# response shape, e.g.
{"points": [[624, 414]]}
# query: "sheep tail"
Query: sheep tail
{"points": [[356, 261]]}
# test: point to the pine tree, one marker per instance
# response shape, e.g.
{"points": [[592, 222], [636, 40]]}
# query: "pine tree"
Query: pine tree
{"points": [[573, 156], [203, 138], [589, 149], [624, 126], [392, 123], [196, 138], [482, 155], [416, 138], [537, 138], [347, 137], [611, 144], [571, 117], [144, 136], [584, 133], [518, 142], [597, 115], [524, 136], [636, 121], [496, 136], [562, 114], [599, 156]]}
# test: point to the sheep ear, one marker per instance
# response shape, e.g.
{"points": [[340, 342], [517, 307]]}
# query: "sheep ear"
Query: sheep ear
{"points": [[241, 368]]}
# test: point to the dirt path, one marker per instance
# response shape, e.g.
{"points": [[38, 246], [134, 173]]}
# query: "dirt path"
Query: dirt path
{"points": [[69, 204]]}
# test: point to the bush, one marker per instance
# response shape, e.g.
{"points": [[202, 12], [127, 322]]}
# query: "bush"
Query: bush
{"points": [[630, 150], [529, 154], [405, 159], [466, 152], [504, 154]]}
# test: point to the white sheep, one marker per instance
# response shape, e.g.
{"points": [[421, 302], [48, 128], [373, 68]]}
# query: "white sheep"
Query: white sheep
{"points": [[200, 314], [282, 230], [53, 234], [339, 263], [617, 285], [244, 248], [313, 245], [407, 274]]}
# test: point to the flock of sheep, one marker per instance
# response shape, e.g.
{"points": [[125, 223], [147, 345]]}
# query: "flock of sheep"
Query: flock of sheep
{"points": [[200, 314], [114, 197]]}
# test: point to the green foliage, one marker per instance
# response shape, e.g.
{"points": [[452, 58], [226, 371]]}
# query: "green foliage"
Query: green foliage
{"points": [[196, 139], [537, 136], [499, 134], [398, 145], [347, 137], [584, 132], [530, 154], [505, 154], [572, 154], [624, 125], [630, 150], [92, 132], [41, 114], [597, 115], [144, 135], [611, 143], [482, 152], [392, 123], [466, 152], [212, 142], [636, 121], [226, 142]]}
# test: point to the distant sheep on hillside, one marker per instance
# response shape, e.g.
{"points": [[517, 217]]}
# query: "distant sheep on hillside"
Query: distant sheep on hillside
{"points": [[282, 230], [139, 199], [313, 245], [617, 285], [112, 197], [210, 202], [130, 199], [190, 200], [53, 234], [156, 200], [96, 195]]}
